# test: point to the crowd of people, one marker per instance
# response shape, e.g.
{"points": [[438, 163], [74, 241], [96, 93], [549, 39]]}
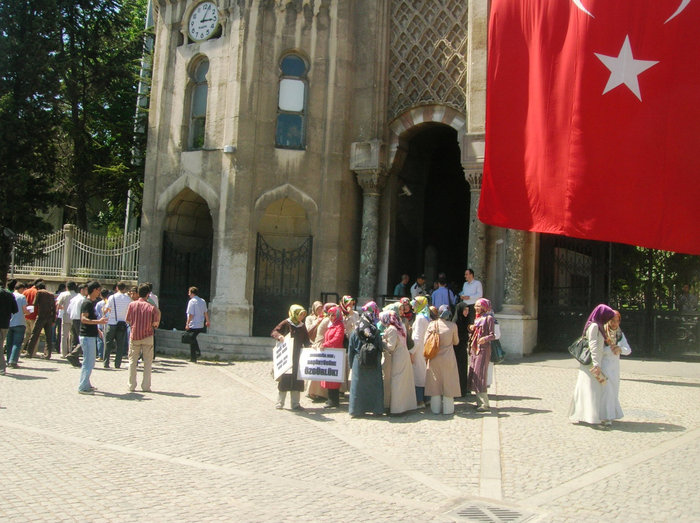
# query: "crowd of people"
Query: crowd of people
{"points": [[389, 369], [83, 320]]}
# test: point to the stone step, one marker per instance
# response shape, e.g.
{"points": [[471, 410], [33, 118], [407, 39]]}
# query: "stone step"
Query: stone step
{"points": [[217, 346]]}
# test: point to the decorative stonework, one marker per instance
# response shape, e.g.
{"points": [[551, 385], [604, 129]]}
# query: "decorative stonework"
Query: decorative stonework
{"points": [[474, 180], [428, 48]]}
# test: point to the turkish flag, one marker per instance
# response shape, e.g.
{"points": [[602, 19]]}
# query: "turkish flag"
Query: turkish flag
{"points": [[593, 120]]}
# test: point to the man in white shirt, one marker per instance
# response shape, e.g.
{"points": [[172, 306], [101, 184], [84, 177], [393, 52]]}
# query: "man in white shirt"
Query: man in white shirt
{"points": [[418, 288], [73, 311], [471, 291], [62, 303], [197, 318], [115, 330]]}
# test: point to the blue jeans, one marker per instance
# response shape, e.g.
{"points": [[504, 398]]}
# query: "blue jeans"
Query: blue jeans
{"points": [[13, 344], [89, 345], [100, 346]]}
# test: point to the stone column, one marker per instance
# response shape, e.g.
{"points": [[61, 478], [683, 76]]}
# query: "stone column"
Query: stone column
{"points": [[472, 149], [513, 302], [367, 162], [476, 257]]}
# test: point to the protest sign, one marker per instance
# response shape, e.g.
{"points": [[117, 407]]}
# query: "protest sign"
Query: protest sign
{"points": [[322, 365], [282, 356]]}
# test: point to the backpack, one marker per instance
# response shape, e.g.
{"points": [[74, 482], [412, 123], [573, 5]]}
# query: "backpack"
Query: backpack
{"points": [[369, 354], [432, 343]]}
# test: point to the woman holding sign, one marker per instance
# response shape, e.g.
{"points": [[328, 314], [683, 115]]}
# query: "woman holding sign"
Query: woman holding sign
{"points": [[292, 330], [333, 339]]}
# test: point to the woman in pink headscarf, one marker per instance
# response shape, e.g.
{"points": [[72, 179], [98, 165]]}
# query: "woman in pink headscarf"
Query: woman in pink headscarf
{"points": [[399, 390], [333, 339], [482, 334]]}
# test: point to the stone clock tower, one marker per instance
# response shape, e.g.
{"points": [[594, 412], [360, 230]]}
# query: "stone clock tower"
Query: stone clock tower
{"points": [[305, 149]]}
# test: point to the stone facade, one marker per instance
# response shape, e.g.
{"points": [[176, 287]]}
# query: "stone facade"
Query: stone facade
{"points": [[378, 76]]}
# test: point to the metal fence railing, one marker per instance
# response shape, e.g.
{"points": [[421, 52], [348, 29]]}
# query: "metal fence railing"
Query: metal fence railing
{"points": [[72, 252]]}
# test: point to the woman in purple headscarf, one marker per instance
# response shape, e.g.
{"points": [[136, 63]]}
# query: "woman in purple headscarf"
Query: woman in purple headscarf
{"points": [[587, 400], [399, 391], [482, 334]]}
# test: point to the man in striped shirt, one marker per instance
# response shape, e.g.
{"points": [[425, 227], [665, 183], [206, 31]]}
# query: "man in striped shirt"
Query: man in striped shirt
{"points": [[143, 318]]}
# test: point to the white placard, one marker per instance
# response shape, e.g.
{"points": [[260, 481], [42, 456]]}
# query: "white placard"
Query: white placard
{"points": [[322, 365], [282, 356]]}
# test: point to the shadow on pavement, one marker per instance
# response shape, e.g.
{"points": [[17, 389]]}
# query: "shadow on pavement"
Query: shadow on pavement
{"points": [[172, 394], [660, 382], [503, 397], [128, 396], [646, 426], [24, 376], [507, 411], [40, 369]]}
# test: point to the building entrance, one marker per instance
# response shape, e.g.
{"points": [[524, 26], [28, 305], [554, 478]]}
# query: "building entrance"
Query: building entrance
{"points": [[431, 220]]}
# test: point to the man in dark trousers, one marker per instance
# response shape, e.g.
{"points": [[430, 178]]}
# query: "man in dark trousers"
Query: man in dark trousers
{"points": [[45, 308]]}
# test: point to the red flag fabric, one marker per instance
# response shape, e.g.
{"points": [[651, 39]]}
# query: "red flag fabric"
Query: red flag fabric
{"points": [[593, 120]]}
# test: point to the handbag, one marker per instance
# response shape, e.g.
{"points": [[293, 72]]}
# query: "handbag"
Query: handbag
{"points": [[432, 344], [187, 337], [497, 352], [496, 330], [579, 350]]}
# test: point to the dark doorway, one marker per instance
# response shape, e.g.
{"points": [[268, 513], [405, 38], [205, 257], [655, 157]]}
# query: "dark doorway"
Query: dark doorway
{"points": [[186, 256], [432, 218], [573, 280], [282, 279]]}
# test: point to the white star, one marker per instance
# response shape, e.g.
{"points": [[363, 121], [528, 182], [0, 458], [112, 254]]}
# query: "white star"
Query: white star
{"points": [[624, 69]]}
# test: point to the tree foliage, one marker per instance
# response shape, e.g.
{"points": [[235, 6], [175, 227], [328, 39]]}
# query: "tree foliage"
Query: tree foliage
{"points": [[69, 72]]}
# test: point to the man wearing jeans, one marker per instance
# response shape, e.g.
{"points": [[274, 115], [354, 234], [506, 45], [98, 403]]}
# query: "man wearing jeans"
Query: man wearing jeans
{"points": [[197, 318], [18, 326], [115, 330], [88, 336], [143, 318], [8, 307]]}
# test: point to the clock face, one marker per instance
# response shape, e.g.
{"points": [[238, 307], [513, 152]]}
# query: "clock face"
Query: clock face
{"points": [[203, 21]]}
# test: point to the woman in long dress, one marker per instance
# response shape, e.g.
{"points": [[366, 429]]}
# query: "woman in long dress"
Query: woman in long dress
{"points": [[610, 366], [294, 326], [399, 390], [420, 324], [333, 339], [442, 379], [314, 391], [461, 318], [482, 334], [588, 393], [366, 388]]}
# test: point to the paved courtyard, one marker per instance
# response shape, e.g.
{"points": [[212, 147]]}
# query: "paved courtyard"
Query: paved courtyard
{"points": [[207, 445]]}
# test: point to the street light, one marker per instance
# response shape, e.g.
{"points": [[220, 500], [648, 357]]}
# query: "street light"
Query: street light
{"points": [[10, 235]]}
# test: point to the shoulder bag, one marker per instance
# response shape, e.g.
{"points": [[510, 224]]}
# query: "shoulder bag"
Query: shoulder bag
{"points": [[432, 343], [579, 350]]}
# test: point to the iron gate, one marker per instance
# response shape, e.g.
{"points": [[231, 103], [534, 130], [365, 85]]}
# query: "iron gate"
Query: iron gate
{"points": [[572, 282], [282, 278], [179, 271]]}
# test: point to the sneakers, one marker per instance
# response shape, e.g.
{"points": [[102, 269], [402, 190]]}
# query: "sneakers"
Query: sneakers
{"points": [[89, 392]]}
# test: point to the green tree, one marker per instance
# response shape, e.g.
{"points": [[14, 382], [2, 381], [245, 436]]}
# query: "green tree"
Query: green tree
{"points": [[30, 42], [100, 64]]}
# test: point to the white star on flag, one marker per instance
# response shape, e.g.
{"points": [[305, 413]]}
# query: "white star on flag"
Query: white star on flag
{"points": [[624, 69]]}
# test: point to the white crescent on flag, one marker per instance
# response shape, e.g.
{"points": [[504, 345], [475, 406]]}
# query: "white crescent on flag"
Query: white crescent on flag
{"points": [[579, 4], [684, 4]]}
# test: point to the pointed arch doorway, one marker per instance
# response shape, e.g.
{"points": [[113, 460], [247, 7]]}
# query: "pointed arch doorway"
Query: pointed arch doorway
{"points": [[431, 200]]}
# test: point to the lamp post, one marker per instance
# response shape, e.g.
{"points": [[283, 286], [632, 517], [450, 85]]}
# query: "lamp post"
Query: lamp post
{"points": [[10, 235]]}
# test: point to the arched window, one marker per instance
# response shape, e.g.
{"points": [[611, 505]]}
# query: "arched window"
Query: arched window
{"points": [[198, 104], [291, 104]]}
